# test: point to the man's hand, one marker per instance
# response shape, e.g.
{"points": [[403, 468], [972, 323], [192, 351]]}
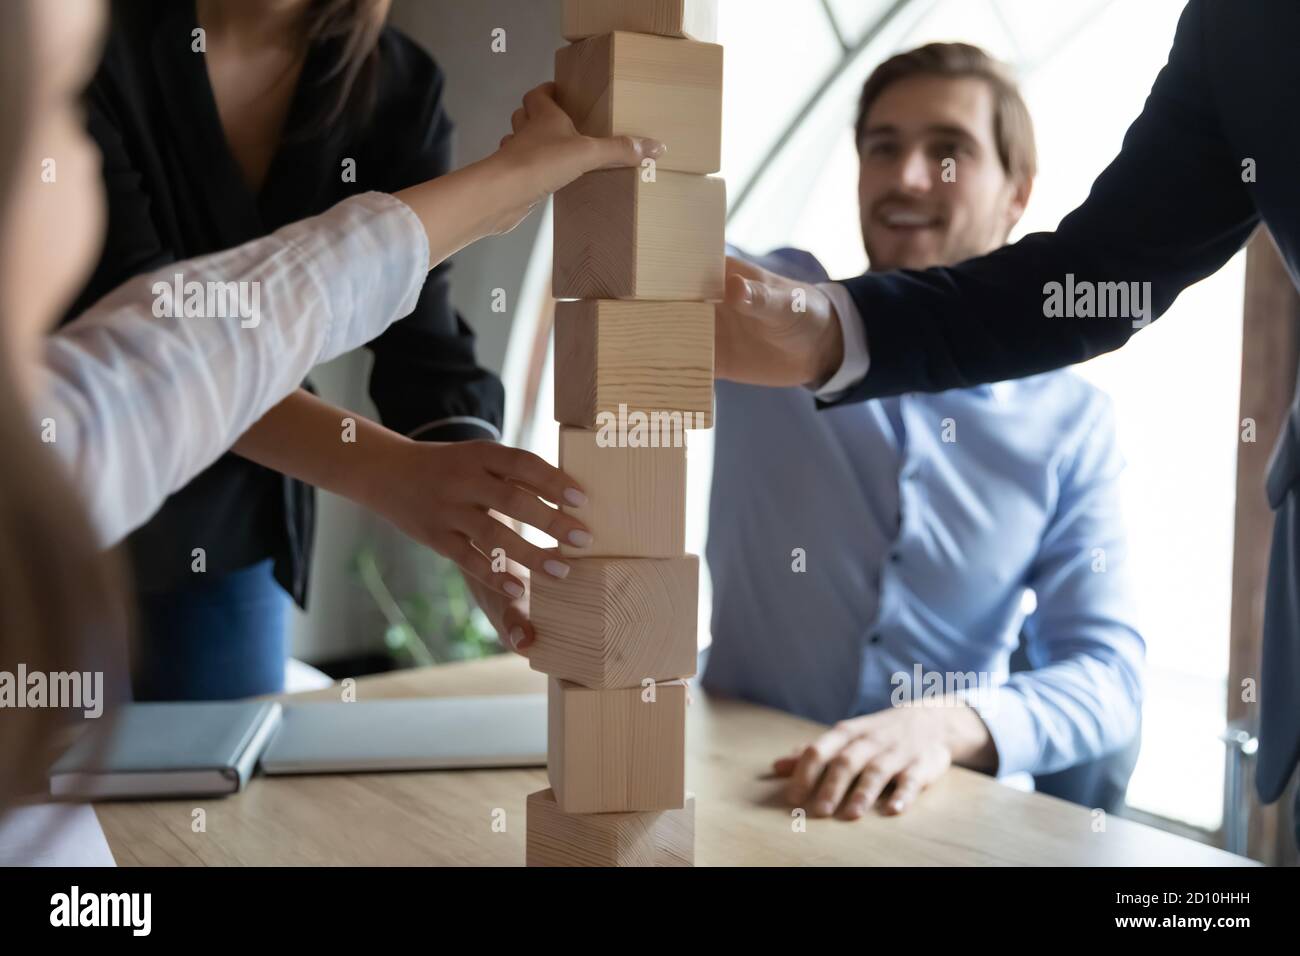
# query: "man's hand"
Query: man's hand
{"points": [[848, 768], [775, 331]]}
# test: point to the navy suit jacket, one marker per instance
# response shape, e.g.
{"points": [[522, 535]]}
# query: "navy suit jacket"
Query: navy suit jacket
{"points": [[1174, 206]]}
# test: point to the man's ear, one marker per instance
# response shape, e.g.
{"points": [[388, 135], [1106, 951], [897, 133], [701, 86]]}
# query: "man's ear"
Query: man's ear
{"points": [[1020, 192]]}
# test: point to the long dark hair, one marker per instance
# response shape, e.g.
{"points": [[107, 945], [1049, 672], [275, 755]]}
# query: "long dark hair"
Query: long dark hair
{"points": [[62, 604], [349, 30]]}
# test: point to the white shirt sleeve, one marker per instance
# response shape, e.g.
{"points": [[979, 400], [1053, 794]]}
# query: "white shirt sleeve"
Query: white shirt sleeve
{"points": [[141, 401], [856, 358]]}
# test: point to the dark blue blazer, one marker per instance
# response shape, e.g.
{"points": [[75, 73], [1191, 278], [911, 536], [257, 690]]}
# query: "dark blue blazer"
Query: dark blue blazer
{"points": [[1174, 206]]}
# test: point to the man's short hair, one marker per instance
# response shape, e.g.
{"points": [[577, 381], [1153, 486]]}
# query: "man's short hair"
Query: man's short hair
{"points": [[1013, 129]]}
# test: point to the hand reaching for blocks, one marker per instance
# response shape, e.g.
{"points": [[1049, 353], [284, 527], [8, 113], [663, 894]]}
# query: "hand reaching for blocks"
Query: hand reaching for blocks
{"points": [[770, 330]]}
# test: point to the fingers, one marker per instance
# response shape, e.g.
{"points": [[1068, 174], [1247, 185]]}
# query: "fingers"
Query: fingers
{"points": [[514, 464], [540, 99], [914, 778], [760, 300], [784, 766], [614, 151], [518, 503], [872, 781], [488, 534], [812, 763], [747, 269], [516, 630], [509, 615], [475, 564], [906, 789], [517, 119], [841, 771]]}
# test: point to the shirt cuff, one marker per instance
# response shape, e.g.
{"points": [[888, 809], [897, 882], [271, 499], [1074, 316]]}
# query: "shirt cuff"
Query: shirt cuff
{"points": [[464, 426], [1010, 723], [856, 358]]}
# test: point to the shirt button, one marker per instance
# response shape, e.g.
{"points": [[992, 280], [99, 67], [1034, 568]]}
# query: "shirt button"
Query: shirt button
{"points": [[875, 638], [895, 557]]}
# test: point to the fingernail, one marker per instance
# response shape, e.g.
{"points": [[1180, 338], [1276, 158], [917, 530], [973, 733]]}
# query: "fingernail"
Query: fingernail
{"points": [[514, 589], [825, 807], [897, 806], [747, 293], [557, 569], [581, 539], [516, 635], [653, 148], [575, 497]]}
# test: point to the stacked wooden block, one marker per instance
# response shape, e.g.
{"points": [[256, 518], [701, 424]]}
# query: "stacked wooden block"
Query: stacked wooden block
{"points": [[639, 252]]}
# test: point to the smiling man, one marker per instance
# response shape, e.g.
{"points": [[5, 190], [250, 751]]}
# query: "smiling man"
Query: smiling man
{"points": [[870, 562]]}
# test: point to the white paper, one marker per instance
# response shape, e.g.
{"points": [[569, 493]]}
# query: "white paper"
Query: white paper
{"points": [[53, 834]]}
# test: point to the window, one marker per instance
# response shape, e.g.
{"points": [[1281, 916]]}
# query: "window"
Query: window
{"points": [[1086, 67], [793, 72]]}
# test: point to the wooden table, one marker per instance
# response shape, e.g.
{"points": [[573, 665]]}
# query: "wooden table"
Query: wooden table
{"points": [[445, 818]]}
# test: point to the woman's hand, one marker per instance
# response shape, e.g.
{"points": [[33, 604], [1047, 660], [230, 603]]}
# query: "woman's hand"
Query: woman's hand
{"points": [[509, 615], [545, 152], [443, 495]]}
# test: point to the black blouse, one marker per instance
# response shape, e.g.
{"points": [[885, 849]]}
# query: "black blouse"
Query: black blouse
{"points": [[175, 191]]}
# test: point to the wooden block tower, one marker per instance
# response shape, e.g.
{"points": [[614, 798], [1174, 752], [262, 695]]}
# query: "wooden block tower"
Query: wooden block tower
{"points": [[640, 251]]}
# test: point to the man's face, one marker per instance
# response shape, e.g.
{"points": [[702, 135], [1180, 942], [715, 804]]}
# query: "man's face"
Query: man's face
{"points": [[931, 187]]}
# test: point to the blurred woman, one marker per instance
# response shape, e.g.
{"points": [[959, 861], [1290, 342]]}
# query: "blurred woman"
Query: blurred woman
{"points": [[219, 122], [134, 407]]}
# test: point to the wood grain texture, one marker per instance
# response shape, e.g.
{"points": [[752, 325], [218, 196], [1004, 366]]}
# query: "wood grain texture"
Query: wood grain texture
{"points": [[620, 237], [630, 84], [649, 838], [445, 818], [615, 750], [696, 19], [646, 356], [636, 497], [1270, 345], [616, 622]]}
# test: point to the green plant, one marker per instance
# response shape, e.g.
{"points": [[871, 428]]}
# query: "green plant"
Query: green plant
{"points": [[437, 623]]}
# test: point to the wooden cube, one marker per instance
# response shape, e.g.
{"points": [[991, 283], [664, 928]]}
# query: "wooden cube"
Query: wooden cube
{"points": [[618, 236], [617, 622], [636, 497], [619, 365], [649, 838], [615, 750], [632, 84], [696, 19]]}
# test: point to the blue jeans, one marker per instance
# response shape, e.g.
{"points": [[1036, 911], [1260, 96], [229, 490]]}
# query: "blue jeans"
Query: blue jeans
{"points": [[223, 637]]}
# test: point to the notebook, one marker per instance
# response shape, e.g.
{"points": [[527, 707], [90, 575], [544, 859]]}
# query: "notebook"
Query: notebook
{"points": [[428, 733], [195, 748]]}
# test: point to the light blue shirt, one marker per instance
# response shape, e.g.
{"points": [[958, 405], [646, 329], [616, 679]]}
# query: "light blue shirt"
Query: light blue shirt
{"points": [[921, 521]]}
